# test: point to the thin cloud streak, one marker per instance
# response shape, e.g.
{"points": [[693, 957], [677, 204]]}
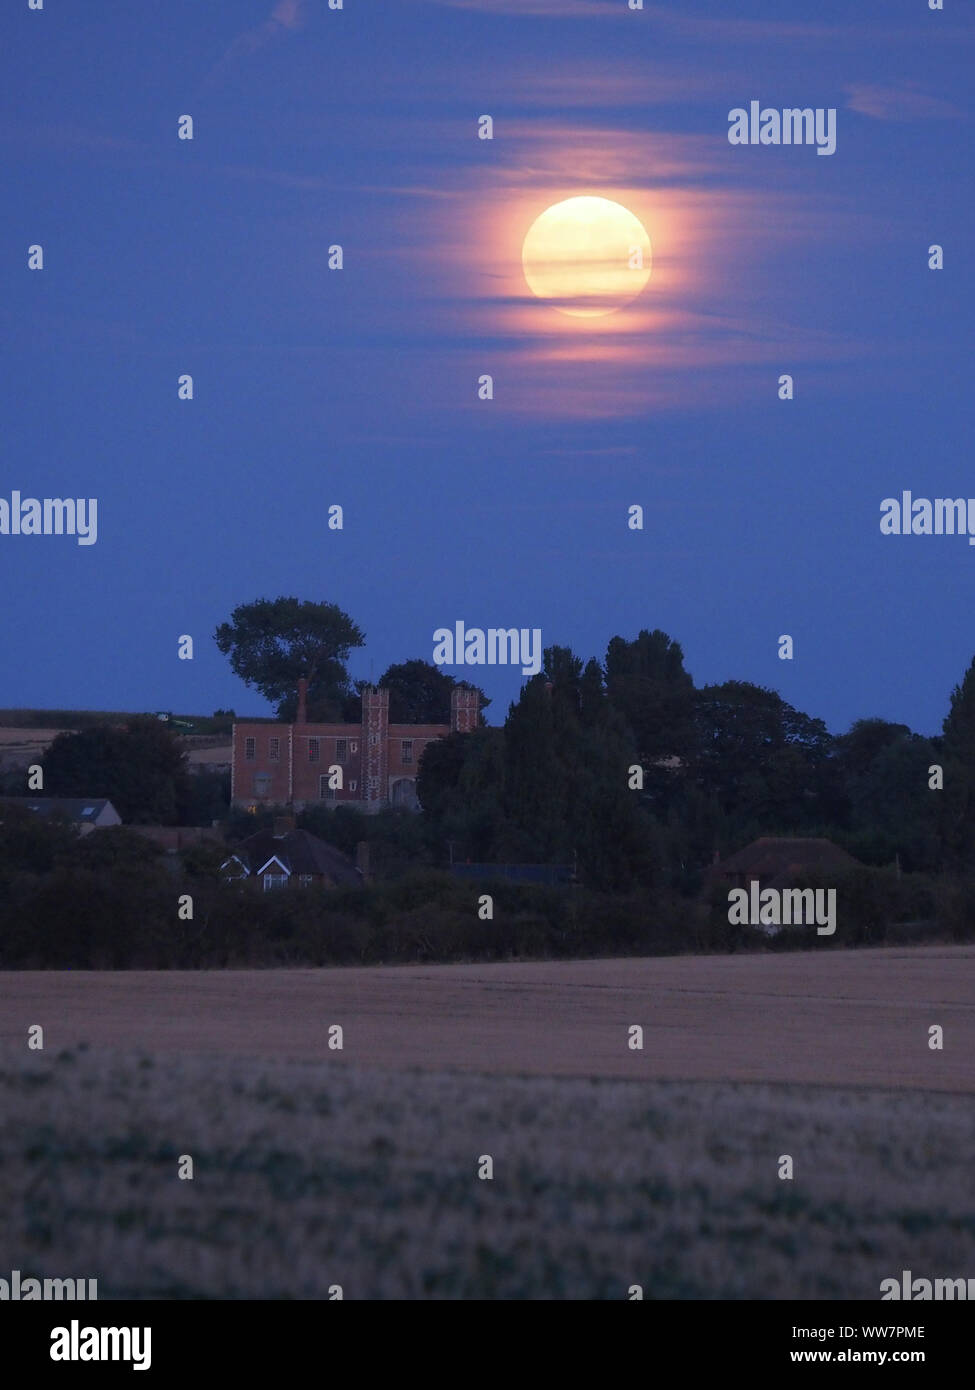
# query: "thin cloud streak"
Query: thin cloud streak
{"points": [[903, 103], [287, 17], [705, 28]]}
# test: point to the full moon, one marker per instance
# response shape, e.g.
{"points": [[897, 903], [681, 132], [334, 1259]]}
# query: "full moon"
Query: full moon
{"points": [[589, 256]]}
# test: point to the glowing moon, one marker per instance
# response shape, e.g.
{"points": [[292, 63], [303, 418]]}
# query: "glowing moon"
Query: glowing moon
{"points": [[588, 255]]}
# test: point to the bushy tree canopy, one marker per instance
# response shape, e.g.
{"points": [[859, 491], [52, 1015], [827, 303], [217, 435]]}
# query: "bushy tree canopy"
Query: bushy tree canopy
{"points": [[272, 643]]}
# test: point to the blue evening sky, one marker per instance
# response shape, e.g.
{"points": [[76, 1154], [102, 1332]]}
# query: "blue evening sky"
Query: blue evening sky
{"points": [[359, 127]]}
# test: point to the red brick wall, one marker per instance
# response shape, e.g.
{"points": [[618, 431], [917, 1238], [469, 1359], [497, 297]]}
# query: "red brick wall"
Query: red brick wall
{"points": [[246, 771], [307, 785], [295, 777], [421, 735]]}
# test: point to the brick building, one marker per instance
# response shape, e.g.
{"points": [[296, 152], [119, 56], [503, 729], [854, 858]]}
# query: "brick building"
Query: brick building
{"points": [[369, 765]]}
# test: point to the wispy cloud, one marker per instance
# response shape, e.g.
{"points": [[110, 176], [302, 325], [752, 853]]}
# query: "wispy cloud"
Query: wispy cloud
{"points": [[901, 103], [557, 152], [286, 17], [684, 23], [582, 9], [694, 26], [633, 84]]}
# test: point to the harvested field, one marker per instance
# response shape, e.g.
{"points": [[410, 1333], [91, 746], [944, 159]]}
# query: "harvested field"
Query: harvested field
{"points": [[829, 1018], [19, 747]]}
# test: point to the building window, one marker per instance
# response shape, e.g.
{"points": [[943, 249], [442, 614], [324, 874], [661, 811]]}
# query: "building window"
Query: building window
{"points": [[374, 784], [325, 792], [274, 749], [373, 740], [407, 754], [262, 785], [305, 880], [353, 786], [250, 749], [314, 754], [341, 750], [354, 746], [275, 881]]}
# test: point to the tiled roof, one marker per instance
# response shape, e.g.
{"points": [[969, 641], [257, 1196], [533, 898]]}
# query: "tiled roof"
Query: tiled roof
{"points": [[780, 858], [77, 808], [299, 852]]}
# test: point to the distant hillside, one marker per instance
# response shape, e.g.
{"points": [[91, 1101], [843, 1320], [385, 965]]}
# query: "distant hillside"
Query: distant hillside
{"points": [[77, 719]]}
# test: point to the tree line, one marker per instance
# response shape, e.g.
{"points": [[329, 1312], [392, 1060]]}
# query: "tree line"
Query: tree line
{"points": [[718, 765]]}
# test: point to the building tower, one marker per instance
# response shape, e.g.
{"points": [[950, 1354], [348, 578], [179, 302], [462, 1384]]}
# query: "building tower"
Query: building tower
{"points": [[465, 712], [375, 749]]}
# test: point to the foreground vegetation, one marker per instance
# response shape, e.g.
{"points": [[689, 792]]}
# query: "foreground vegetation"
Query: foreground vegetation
{"points": [[307, 1176]]}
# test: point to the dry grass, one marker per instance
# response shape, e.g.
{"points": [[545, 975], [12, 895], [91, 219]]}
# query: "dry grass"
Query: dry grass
{"points": [[312, 1174]]}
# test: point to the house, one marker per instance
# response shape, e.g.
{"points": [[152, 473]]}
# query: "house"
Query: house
{"points": [[789, 868], [775, 861], [87, 813], [368, 765], [284, 857], [784, 865]]}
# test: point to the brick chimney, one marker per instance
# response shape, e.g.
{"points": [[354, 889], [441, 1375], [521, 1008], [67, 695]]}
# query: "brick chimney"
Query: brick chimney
{"points": [[302, 715]]}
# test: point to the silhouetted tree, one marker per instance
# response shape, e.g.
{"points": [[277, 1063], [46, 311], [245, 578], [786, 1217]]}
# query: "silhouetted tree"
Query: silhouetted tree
{"points": [[140, 768], [419, 692], [647, 683], [958, 761], [272, 643], [760, 758]]}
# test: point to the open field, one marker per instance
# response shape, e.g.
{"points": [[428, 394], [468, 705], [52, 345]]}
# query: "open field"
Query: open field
{"points": [[22, 746], [310, 1175], [830, 1018], [28, 737], [315, 1167]]}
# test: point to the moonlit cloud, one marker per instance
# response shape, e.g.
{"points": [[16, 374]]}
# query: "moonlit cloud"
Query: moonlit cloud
{"points": [[582, 9], [672, 18], [904, 103], [286, 15], [698, 27]]}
